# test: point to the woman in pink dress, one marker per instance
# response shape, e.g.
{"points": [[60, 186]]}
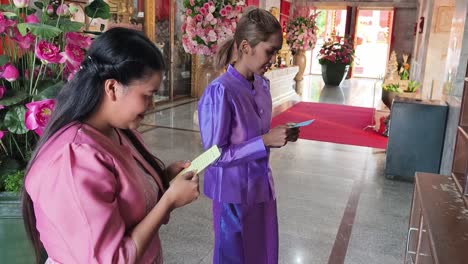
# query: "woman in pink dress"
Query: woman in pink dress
{"points": [[93, 192]]}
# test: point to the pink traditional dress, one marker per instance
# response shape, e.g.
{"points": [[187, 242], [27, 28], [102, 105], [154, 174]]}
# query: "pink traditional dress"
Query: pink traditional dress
{"points": [[88, 194]]}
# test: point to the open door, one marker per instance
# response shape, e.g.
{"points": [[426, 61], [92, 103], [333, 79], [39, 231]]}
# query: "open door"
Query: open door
{"points": [[372, 41], [331, 21]]}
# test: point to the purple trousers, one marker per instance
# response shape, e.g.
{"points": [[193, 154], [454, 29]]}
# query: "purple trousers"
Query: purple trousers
{"points": [[245, 234]]}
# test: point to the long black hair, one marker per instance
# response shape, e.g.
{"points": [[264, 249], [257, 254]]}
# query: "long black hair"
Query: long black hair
{"points": [[121, 54]]}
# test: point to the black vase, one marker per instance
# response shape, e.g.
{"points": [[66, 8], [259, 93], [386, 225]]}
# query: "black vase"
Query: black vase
{"points": [[334, 73]]}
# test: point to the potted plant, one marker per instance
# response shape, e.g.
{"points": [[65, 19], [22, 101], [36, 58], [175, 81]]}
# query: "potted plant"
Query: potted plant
{"points": [[301, 36], [335, 57], [42, 49], [390, 90]]}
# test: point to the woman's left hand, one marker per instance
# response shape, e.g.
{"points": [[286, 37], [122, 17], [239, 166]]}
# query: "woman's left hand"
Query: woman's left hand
{"points": [[176, 167]]}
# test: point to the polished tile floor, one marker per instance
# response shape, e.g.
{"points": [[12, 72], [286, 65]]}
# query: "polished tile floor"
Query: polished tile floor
{"points": [[334, 204]]}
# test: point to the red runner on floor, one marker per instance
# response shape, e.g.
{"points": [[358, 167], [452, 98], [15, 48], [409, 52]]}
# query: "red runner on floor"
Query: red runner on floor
{"points": [[334, 123]]}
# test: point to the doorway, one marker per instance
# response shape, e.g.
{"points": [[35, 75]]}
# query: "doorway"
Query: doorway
{"points": [[330, 22], [372, 42]]}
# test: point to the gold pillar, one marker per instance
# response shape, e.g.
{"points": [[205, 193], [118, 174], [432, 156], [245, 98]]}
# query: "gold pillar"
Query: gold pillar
{"points": [[195, 66], [150, 19]]}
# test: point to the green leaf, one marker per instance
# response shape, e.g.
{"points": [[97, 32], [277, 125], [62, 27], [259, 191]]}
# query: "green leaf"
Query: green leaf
{"points": [[9, 8], [49, 92], [14, 181], [14, 120], [11, 98], [39, 30], [66, 25], [3, 60], [98, 9], [9, 166], [9, 15], [30, 11], [39, 5]]}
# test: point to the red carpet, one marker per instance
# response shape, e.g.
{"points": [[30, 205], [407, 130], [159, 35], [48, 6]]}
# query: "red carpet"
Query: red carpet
{"points": [[334, 123]]}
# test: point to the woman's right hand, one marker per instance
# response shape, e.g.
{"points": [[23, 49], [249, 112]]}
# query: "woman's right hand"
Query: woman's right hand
{"points": [[183, 190], [276, 137]]}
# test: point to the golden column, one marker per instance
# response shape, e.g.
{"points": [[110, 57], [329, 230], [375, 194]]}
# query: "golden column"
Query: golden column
{"points": [[149, 25]]}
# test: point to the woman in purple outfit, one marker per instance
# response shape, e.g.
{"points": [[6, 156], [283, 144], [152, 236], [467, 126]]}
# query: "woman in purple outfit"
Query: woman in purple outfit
{"points": [[235, 114]]}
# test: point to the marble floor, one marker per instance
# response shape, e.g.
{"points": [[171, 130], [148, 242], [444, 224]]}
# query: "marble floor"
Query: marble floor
{"points": [[334, 203]]}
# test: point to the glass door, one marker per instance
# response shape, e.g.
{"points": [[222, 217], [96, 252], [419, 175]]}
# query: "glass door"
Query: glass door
{"points": [[163, 37], [177, 78], [182, 61], [372, 42]]}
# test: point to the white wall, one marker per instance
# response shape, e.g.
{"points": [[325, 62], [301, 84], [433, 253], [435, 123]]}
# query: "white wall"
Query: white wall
{"points": [[437, 48]]}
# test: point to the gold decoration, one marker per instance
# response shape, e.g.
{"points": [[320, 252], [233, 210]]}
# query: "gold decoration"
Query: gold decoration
{"points": [[392, 68], [121, 10], [275, 12], [149, 27], [284, 54]]}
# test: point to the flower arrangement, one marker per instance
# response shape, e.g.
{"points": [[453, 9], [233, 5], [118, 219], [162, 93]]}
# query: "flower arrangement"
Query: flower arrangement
{"points": [[42, 49], [339, 50], [301, 32], [208, 23]]}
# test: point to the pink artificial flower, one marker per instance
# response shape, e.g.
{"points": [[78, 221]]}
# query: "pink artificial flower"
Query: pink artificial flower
{"points": [[63, 10], [206, 6], [77, 39], [228, 8], [212, 37], [209, 17], [5, 23], [199, 17], [214, 21], [203, 11], [212, 8], [32, 19], [2, 107], [9, 72], [192, 2], [2, 92], [38, 115], [73, 56], [21, 3], [50, 10], [223, 12], [188, 12], [24, 42], [48, 52]]}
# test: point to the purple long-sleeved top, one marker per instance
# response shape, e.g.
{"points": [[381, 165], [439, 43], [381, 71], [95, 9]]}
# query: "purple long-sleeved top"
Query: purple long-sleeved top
{"points": [[233, 114]]}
